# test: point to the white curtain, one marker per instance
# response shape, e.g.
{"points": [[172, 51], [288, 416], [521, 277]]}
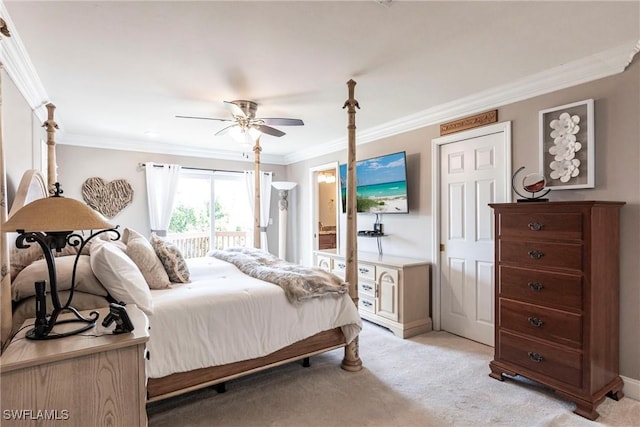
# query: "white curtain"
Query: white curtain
{"points": [[162, 182], [265, 202]]}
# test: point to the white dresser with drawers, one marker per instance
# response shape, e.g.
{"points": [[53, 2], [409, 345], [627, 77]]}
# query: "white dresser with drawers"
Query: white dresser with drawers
{"points": [[393, 291]]}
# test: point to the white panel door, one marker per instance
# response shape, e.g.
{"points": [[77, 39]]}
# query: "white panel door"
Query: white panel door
{"points": [[472, 175]]}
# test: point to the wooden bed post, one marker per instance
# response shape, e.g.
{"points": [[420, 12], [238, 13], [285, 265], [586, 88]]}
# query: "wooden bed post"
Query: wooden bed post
{"points": [[256, 194], [5, 283], [52, 167], [351, 361]]}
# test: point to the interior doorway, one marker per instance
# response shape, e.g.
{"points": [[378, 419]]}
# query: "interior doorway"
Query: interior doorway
{"points": [[470, 170], [325, 209]]}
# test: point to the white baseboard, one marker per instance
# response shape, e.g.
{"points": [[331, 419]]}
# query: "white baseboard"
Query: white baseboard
{"points": [[631, 388]]}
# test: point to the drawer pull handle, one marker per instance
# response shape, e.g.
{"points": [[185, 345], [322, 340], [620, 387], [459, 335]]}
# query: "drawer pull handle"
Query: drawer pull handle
{"points": [[535, 226], [367, 287], [536, 254], [535, 286], [341, 265], [535, 357], [367, 303], [363, 270], [535, 321]]}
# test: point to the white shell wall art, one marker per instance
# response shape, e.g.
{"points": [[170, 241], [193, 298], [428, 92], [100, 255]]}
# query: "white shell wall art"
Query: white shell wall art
{"points": [[565, 166]]}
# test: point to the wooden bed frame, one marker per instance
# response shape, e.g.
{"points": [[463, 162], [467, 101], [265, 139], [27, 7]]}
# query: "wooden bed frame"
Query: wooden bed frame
{"points": [[175, 384]]}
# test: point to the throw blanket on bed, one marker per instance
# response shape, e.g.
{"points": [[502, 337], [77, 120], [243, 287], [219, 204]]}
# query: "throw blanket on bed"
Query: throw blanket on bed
{"points": [[299, 282]]}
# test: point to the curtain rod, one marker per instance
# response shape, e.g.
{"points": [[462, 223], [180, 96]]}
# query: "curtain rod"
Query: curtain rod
{"points": [[141, 165]]}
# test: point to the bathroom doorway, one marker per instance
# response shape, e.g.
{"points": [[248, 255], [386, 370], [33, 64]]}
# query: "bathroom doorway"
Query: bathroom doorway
{"points": [[326, 204]]}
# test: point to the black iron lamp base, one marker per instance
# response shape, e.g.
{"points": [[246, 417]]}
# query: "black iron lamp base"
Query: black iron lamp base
{"points": [[44, 328]]}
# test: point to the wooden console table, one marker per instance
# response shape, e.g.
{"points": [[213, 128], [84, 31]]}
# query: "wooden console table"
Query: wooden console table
{"points": [[90, 379], [392, 291]]}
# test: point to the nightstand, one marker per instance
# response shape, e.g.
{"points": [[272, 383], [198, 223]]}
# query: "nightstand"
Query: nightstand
{"points": [[93, 378]]}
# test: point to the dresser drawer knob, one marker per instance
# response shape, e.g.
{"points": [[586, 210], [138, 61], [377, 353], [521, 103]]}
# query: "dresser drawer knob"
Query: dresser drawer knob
{"points": [[535, 357], [535, 321], [367, 303], [535, 286], [536, 254], [535, 226], [363, 270], [367, 287]]}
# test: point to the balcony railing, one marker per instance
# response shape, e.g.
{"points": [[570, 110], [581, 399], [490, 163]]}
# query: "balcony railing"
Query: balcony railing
{"points": [[193, 245]]}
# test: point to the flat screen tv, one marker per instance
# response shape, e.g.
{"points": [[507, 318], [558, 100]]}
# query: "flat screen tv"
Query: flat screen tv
{"points": [[381, 184]]}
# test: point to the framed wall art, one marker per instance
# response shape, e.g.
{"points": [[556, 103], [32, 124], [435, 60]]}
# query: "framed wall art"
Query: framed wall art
{"points": [[567, 146]]}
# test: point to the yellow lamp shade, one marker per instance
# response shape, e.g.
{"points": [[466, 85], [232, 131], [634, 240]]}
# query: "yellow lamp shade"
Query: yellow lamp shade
{"points": [[55, 213]]}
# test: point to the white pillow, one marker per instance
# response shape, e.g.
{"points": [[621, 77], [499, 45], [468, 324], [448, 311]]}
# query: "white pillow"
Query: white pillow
{"points": [[144, 256], [120, 275]]}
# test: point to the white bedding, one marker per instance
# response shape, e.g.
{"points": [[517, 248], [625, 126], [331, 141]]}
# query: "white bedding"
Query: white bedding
{"points": [[225, 316]]}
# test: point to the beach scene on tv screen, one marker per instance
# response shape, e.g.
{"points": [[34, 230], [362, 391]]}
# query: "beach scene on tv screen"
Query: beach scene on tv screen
{"points": [[381, 184]]}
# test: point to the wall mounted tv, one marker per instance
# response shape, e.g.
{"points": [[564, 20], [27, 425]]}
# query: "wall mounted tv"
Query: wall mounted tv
{"points": [[381, 184]]}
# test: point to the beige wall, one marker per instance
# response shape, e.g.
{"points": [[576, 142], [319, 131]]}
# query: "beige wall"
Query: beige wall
{"points": [[18, 133], [617, 153], [409, 234]]}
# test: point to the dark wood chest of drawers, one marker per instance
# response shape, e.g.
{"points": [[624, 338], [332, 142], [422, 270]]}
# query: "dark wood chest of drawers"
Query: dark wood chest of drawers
{"points": [[557, 298]]}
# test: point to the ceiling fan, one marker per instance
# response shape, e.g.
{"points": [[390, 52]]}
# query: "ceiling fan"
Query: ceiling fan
{"points": [[246, 123]]}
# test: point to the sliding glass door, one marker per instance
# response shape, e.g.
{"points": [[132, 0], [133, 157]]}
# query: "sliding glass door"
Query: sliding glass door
{"points": [[195, 227]]}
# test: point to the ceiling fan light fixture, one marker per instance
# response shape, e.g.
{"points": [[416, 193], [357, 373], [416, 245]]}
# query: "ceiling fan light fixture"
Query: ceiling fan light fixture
{"points": [[254, 133], [245, 125], [244, 135]]}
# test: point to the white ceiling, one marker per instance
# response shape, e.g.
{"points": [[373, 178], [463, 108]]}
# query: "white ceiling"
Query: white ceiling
{"points": [[118, 70]]}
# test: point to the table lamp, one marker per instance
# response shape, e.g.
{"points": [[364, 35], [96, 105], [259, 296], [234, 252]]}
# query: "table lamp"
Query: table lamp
{"points": [[52, 223]]}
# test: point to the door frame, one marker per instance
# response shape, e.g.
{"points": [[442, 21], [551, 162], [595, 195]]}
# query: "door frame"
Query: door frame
{"points": [[314, 206], [436, 144]]}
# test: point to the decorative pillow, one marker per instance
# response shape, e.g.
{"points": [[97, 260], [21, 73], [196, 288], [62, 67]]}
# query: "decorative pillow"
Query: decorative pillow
{"points": [[120, 275], [130, 234], [171, 258], [144, 256], [23, 285]]}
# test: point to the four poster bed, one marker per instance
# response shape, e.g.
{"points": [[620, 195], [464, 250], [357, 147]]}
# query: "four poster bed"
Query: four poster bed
{"points": [[183, 357]]}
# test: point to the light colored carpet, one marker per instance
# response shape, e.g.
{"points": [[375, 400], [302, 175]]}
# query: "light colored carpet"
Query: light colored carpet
{"points": [[434, 379]]}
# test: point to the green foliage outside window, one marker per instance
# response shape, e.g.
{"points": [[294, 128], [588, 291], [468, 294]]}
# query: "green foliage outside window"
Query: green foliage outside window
{"points": [[191, 219]]}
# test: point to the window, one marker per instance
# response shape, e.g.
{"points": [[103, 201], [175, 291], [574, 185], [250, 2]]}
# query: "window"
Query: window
{"points": [[194, 226]]}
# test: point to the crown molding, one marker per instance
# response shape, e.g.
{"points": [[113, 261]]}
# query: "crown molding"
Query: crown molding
{"points": [[594, 67], [20, 69], [92, 141]]}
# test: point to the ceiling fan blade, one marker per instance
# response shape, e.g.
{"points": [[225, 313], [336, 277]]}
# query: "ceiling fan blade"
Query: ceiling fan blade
{"points": [[224, 131], [282, 122], [203, 118], [234, 109], [269, 130]]}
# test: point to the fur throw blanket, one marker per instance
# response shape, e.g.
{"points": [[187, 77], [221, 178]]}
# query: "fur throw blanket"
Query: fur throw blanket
{"points": [[299, 282]]}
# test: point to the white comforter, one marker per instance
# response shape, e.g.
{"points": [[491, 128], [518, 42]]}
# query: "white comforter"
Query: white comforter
{"points": [[225, 316]]}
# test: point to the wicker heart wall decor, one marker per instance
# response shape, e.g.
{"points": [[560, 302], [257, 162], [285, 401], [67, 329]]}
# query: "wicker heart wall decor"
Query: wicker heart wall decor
{"points": [[108, 198]]}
